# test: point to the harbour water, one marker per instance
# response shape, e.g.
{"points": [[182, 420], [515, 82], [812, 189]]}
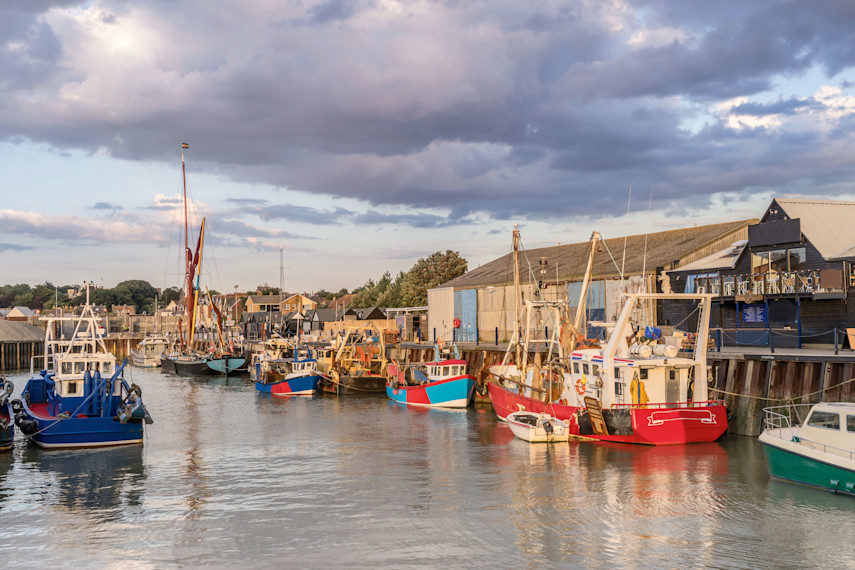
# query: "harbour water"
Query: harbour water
{"points": [[229, 477]]}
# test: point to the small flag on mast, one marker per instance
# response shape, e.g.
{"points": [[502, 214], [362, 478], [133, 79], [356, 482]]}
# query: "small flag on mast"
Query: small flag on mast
{"points": [[185, 145]]}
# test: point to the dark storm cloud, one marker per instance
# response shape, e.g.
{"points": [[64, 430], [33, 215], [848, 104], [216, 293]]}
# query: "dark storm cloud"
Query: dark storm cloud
{"points": [[510, 108]]}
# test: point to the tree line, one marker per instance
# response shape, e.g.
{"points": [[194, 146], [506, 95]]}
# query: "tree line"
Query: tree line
{"points": [[407, 289]]}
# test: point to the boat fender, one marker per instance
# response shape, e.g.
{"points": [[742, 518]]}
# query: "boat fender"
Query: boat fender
{"points": [[28, 427], [17, 406], [481, 389], [137, 389]]}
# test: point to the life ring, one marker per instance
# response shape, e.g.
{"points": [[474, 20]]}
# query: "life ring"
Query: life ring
{"points": [[456, 323], [580, 387]]}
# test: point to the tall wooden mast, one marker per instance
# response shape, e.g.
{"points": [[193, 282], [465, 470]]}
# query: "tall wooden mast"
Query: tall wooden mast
{"points": [[189, 294]]}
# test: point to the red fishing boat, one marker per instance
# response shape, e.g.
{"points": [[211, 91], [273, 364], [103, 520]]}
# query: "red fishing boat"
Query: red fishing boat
{"points": [[634, 390]]}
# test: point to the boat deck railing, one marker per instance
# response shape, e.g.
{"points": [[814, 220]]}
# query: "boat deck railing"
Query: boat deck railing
{"points": [[671, 405], [783, 422]]}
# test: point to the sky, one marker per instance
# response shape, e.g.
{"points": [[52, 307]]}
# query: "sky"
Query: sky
{"points": [[357, 136]]}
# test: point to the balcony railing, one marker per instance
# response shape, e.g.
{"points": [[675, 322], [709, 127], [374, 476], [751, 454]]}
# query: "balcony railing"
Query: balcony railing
{"points": [[775, 283]]}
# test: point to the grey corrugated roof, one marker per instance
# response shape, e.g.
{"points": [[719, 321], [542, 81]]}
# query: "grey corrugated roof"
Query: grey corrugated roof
{"points": [[11, 331], [827, 224], [662, 248]]}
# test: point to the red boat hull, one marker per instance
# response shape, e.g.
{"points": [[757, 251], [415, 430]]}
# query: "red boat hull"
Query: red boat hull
{"points": [[653, 424]]}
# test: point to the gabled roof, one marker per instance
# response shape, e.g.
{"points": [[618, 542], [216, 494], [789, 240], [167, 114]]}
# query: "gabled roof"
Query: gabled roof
{"points": [[23, 311], [267, 299], [11, 331], [325, 315], [343, 301], [568, 262], [827, 224], [372, 313], [724, 259]]}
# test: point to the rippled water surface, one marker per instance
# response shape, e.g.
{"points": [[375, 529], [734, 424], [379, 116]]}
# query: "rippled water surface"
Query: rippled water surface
{"points": [[229, 477]]}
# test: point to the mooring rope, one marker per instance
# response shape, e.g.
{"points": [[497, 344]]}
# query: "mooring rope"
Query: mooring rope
{"points": [[780, 399]]}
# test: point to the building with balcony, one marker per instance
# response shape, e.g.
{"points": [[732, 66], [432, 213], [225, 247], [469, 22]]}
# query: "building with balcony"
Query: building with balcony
{"points": [[789, 283]]}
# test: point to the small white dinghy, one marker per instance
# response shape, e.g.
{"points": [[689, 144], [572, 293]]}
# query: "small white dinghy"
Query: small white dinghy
{"points": [[538, 428]]}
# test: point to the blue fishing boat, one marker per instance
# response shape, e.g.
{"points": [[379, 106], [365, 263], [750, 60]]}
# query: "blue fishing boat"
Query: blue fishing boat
{"points": [[80, 398], [443, 383], [7, 425], [283, 371]]}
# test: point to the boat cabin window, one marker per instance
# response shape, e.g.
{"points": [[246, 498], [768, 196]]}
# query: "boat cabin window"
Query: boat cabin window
{"points": [[850, 424], [642, 374], [595, 369], [585, 369], [66, 368], [617, 372], [672, 374], [78, 367], [618, 389], [575, 367], [828, 420], [72, 388]]}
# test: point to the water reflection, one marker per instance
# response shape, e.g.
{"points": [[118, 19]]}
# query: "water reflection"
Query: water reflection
{"points": [[229, 477], [100, 483]]}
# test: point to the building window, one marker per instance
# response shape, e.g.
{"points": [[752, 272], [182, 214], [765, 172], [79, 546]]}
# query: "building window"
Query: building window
{"points": [[798, 259], [779, 260]]}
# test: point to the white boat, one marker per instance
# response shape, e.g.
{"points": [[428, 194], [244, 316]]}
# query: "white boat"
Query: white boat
{"points": [[538, 428], [149, 351], [812, 444]]}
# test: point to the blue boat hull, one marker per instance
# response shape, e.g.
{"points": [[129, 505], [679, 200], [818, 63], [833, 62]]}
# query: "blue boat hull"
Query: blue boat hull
{"points": [[299, 386], [86, 432], [451, 393]]}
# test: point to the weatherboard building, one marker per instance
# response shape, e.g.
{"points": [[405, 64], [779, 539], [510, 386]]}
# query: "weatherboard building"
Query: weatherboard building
{"points": [[479, 305]]}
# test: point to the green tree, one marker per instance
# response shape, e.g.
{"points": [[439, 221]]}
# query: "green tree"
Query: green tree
{"points": [[428, 273]]}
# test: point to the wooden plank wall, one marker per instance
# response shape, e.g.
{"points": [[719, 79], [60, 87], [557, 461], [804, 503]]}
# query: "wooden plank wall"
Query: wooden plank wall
{"points": [[765, 383]]}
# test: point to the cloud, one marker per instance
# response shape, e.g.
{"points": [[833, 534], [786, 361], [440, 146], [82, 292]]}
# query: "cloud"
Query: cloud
{"points": [[13, 247], [504, 108], [106, 206]]}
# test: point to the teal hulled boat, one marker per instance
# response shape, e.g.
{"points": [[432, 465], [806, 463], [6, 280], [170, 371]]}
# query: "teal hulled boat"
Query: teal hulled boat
{"points": [[812, 444]]}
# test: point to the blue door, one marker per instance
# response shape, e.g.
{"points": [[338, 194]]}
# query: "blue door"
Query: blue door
{"points": [[466, 311]]}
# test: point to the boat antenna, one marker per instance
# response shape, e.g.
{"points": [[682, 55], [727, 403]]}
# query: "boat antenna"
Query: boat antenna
{"points": [[623, 261], [517, 293], [644, 263]]}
